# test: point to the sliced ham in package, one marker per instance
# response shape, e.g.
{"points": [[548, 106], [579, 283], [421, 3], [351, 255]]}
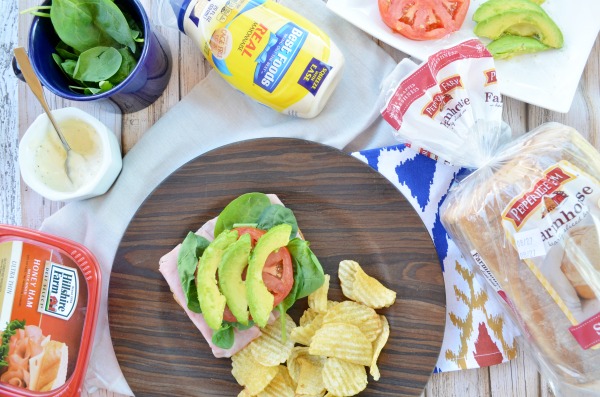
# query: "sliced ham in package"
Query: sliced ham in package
{"points": [[527, 216]]}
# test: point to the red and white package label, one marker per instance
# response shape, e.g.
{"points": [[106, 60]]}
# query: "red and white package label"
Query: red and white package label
{"points": [[444, 102], [587, 333]]}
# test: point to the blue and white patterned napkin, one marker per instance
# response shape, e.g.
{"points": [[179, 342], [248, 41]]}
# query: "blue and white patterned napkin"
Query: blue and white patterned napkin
{"points": [[478, 333]]}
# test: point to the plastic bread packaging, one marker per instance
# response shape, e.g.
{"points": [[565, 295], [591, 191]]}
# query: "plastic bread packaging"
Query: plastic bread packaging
{"points": [[525, 214]]}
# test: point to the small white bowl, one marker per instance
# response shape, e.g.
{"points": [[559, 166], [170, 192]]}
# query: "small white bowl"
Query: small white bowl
{"points": [[97, 184]]}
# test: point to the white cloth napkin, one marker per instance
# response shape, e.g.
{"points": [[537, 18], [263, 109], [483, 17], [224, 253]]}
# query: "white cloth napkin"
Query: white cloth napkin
{"points": [[212, 115], [477, 332]]}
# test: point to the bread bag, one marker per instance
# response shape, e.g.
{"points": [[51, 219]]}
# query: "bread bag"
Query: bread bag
{"points": [[526, 214]]}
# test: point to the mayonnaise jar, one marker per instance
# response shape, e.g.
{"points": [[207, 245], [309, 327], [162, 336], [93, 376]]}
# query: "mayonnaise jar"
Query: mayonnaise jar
{"points": [[265, 50]]}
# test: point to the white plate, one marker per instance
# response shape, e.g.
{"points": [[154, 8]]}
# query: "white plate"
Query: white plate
{"points": [[548, 79]]}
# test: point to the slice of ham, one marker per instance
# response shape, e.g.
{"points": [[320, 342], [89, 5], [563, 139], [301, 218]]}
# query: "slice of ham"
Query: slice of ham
{"points": [[168, 268]]}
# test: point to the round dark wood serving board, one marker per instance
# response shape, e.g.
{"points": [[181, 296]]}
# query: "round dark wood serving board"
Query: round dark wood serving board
{"points": [[343, 207]]}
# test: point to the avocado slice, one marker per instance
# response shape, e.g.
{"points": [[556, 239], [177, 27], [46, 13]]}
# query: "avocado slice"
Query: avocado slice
{"points": [[212, 302], [260, 300], [233, 263], [509, 45], [494, 7], [544, 27]]}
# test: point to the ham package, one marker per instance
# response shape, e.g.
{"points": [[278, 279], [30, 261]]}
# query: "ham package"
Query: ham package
{"points": [[526, 215]]}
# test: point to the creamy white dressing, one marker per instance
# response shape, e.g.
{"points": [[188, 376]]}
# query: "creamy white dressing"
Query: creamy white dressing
{"points": [[50, 157]]}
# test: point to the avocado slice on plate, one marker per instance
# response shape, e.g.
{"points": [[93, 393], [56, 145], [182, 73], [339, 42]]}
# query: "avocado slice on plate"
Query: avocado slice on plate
{"points": [[494, 7], [233, 263], [508, 46], [543, 27], [260, 300], [212, 302]]}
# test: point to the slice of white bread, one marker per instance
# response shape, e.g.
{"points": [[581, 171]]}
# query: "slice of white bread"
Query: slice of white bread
{"points": [[48, 370]]}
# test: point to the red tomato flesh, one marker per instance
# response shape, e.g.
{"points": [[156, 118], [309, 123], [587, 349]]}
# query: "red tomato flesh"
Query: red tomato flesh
{"points": [[423, 19], [278, 273]]}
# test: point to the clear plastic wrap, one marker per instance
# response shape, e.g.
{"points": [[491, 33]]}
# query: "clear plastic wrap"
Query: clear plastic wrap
{"points": [[528, 215]]}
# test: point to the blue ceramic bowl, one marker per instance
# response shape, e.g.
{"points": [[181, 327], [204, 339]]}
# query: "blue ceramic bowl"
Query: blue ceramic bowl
{"points": [[142, 87]]}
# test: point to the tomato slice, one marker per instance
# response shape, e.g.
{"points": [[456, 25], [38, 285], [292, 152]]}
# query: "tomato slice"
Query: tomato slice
{"points": [[424, 19], [278, 272]]}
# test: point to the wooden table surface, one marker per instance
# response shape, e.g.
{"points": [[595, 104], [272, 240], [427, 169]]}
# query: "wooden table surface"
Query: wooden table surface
{"points": [[21, 206]]}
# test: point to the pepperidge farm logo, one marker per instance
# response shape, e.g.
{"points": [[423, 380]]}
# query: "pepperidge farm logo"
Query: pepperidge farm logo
{"points": [[60, 291]]}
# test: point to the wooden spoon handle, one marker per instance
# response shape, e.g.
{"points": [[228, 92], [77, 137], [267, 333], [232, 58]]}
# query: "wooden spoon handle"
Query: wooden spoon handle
{"points": [[36, 87], [30, 76]]}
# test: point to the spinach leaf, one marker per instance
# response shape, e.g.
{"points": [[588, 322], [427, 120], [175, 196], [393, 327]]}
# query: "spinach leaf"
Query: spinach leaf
{"points": [[73, 21], [308, 272], [91, 90], [136, 32], [57, 59], [276, 214], [244, 209], [224, 337], [127, 65], [84, 24], [109, 18], [191, 250], [65, 51], [97, 64], [240, 326], [105, 85], [69, 67]]}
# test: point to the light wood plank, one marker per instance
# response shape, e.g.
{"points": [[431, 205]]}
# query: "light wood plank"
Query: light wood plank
{"points": [[10, 199], [465, 383]]}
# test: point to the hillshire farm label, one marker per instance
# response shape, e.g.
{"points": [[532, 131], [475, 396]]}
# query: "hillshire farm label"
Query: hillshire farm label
{"points": [[32, 284], [541, 222], [59, 293]]}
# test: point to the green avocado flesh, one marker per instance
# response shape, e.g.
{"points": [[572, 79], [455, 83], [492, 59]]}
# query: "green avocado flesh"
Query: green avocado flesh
{"points": [[212, 302], [493, 7], [260, 300], [534, 22], [233, 263], [508, 46]]}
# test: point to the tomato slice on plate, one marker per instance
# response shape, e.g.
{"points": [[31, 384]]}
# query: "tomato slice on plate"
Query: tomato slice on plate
{"points": [[424, 19], [278, 272]]}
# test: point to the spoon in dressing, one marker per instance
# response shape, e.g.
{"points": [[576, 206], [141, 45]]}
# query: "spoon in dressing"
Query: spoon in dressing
{"points": [[36, 87]]}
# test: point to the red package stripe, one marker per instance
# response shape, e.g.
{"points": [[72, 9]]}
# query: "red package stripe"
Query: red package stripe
{"points": [[416, 84], [587, 334], [408, 91]]}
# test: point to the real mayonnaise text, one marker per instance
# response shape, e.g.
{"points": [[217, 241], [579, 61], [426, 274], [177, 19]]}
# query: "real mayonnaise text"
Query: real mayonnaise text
{"points": [[267, 51]]}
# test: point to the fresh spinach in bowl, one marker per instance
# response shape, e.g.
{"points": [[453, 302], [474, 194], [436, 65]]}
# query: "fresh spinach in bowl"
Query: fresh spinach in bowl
{"points": [[99, 43]]}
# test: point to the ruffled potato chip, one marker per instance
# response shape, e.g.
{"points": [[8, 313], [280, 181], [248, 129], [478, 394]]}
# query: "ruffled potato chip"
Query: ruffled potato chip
{"points": [[271, 348], [244, 393], [310, 380], [250, 373], [318, 299], [378, 346], [346, 271], [364, 317], [343, 378], [304, 335], [344, 341], [293, 365], [281, 385], [369, 291], [307, 317]]}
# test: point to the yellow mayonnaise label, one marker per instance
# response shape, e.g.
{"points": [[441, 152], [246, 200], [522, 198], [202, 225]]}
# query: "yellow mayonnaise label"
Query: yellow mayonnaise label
{"points": [[265, 50]]}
